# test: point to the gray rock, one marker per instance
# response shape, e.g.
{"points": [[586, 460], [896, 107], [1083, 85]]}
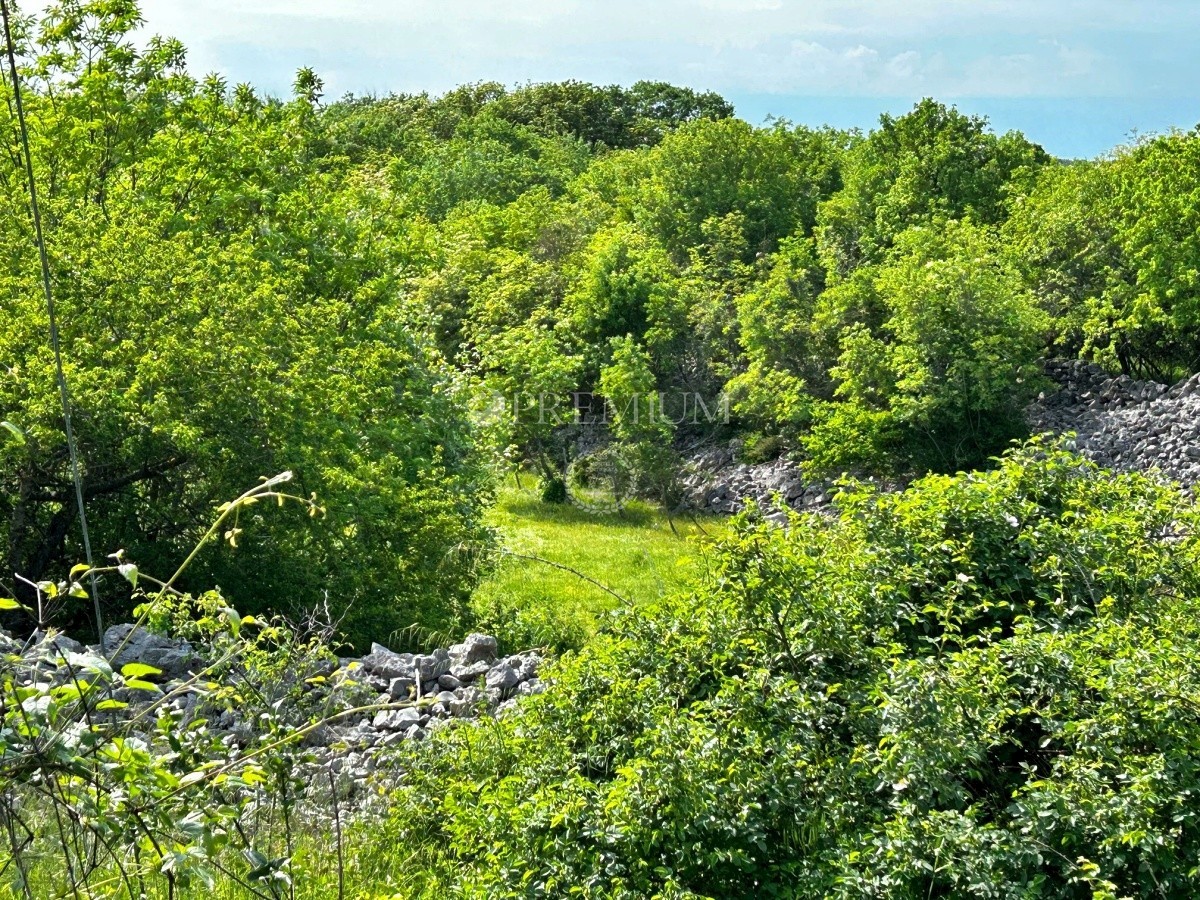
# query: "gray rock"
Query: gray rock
{"points": [[1124, 424], [385, 663], [401, 688], [502, 677], [528, 664], [60, 642], [433, 666], [134, 644], [396, 719], [467, 674], [468, 701], [475, 649]]}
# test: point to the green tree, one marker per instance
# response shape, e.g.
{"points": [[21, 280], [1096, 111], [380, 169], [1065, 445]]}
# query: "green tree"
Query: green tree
{"points": [[1063, 237], [228, 310], [773, 177], [625, 284], [641, 423], [942, 383], [1148, 318], [784, 368], [931, 163]]}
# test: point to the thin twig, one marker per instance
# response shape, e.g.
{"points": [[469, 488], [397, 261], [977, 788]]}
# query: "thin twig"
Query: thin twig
{"points": [[549, 562]]}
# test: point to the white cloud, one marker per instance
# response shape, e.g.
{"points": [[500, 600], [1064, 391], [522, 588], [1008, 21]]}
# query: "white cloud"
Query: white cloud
{"points": [[1004, 48], [904, 65]]}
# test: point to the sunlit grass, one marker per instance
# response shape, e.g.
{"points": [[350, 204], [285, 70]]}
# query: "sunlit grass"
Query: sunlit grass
{"points": [[634, 553]]}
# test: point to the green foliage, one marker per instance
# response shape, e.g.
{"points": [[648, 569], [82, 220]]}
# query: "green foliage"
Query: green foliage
{"points": [[1111, 246], [624, 287], [773, 177], [701, 248], [947, 374], [931, 163], [759, 448], [554, 490], [227, 308], [785, 368], [113, 784], [983, 686], [641, 426], [599, 117], [487, 160]]}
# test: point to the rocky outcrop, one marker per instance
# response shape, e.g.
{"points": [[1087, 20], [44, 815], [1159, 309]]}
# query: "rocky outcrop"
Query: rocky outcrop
{"points": [[365, 703], [1120, 423], [715, 482]]}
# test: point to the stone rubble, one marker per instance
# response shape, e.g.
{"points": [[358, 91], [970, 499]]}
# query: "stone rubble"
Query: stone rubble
{"points": [[1120, 423], [392, 696], [1123, 424]]}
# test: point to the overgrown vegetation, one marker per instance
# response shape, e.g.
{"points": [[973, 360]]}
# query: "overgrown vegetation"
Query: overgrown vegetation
{"points": [[249, 284], [115, 784], [985, 685]]}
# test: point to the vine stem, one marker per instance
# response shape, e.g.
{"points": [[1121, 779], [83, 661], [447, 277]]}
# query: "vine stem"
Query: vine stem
{"points": [[55, 343]]}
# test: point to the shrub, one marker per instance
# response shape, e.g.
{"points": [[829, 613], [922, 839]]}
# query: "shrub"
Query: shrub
{"points": [[760, 448], [946, 374], [983, 686], [115, 780], [554, 490]]}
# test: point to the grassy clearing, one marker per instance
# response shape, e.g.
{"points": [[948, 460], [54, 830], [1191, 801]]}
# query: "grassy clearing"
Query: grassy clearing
{"points": [[635, 554]]}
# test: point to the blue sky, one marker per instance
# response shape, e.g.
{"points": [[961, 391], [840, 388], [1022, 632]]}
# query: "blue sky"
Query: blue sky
{"points": [[1078, 77]]}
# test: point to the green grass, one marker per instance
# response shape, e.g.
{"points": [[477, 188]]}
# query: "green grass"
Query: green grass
{"points": [[635, 554]]}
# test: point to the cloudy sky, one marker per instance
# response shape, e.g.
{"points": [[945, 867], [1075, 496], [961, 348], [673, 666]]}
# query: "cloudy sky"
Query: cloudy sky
{"points": [[1078, 76]]}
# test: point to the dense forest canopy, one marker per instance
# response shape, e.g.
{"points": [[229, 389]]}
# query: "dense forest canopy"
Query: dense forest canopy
{"points": [[249, 284]]}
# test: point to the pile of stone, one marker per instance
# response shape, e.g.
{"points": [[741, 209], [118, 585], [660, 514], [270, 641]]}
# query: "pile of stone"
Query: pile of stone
{"points": [[463, 681], [1120, 423], [715, 482], [400, 696], [1124, 424]]}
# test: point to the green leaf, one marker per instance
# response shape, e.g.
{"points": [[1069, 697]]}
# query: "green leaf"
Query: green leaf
{"points": [[8, 603], [138, 685], [111, 704], [13, 430], [129, 572], [137, 670]]}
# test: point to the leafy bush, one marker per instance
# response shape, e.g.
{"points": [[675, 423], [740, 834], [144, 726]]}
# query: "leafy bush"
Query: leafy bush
{"points": [[114, 781], [228, 308], [983, 686], [1111, 249], [554, 491], [942, 381], [759, 448]]}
